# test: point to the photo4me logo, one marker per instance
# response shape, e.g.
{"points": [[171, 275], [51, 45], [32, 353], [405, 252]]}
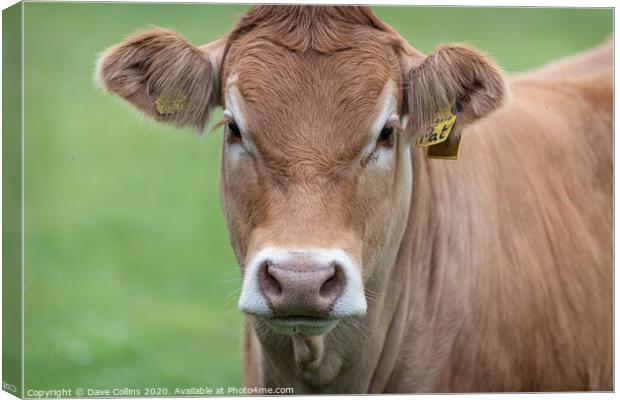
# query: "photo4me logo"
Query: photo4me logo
{"points": [[8, 387]]}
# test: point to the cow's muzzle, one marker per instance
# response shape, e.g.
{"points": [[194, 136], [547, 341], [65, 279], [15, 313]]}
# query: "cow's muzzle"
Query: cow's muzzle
{"points": [[302, 291]]}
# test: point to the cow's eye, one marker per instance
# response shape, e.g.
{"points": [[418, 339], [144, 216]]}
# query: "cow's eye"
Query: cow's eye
{"points": [[386, 137], [234, 134]]}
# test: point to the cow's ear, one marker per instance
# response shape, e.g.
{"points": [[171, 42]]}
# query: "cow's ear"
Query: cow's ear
{"points": [[457, 77], [164, 76]]}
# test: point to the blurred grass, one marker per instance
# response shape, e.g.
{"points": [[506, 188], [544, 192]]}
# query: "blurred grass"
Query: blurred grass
{"points": [[130, 281]]}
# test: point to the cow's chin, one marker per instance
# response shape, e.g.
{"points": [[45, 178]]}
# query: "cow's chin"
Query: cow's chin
{"points": [[306, 326]]}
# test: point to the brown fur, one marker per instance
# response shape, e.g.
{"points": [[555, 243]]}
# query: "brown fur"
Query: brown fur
{"points": [[491, 273], [323, 29]]}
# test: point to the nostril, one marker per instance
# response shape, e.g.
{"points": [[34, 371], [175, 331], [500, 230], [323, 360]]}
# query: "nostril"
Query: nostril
{"points": [[269, 284], [334, 284]]}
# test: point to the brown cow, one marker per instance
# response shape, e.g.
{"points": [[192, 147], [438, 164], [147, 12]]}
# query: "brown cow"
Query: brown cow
{"points": [[368, 267]]}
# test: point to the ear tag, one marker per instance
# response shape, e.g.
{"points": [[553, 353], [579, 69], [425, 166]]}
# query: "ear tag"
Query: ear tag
{"points": [[439, 130], [167, 105]]}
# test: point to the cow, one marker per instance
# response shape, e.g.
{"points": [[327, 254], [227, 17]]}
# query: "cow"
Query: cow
{"points": [[369, 263]]}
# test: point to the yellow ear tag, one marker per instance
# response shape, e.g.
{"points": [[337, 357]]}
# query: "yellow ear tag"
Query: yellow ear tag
{"points": [[439, 130], [437, 137], [166, 105]]}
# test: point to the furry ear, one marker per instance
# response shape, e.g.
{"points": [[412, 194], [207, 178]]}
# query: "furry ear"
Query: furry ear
{"points": [[164, 76], [456, 76]]}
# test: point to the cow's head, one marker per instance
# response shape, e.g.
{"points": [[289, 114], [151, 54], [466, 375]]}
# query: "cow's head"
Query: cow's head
{"points": [[321, 105]]}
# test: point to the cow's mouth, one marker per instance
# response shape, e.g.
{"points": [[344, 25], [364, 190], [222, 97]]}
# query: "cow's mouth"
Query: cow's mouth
{"points": [[305, 325]]}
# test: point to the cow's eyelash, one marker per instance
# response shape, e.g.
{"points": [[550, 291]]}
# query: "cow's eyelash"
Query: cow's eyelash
{"points": [[223, 121], [395, 125], [233, 133]]}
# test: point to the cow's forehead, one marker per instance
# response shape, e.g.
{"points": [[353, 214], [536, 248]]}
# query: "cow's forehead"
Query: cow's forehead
{"points": [[327, 102]]}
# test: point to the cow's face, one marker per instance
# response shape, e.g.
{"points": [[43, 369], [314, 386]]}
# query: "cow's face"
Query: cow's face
{"points": [[316, 158], [315, 177]]}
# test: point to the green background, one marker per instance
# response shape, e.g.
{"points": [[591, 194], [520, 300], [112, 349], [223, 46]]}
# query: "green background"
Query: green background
{"points": [[130, 281]]}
